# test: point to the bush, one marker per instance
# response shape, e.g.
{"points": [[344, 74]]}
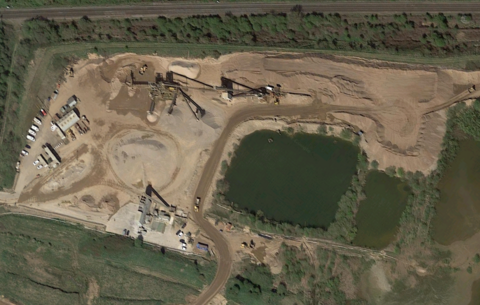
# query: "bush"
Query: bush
{"points": [[322, 129], [346, 134], [390, 171], [223, 167]]}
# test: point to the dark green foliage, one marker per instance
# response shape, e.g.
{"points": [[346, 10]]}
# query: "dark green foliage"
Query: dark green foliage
{"points": [[391, 171], [223, 167], [469, 269], [254, 286], [374, 164], [415, 221], [476, 258], [322, 129], [362, 162]]}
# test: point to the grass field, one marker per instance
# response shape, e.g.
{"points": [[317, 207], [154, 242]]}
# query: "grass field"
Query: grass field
{"points": [[51, 262]]}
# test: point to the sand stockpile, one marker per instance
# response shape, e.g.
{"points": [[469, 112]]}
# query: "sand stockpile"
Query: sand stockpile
{"points": [[139, 158], [189, 69]]}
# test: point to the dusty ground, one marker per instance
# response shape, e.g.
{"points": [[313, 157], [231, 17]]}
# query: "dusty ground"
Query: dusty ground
{"points": [[399, 108]]}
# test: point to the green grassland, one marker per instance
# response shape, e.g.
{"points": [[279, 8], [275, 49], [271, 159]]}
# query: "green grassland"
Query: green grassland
{"points": [[51, 262]]}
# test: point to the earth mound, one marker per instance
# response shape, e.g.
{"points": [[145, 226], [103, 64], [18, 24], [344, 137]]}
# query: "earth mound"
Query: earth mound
{"points": [[189, 69]]}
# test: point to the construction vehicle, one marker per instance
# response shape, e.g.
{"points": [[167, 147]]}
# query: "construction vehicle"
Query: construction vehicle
{"points": [[197, 204], [472, 89], [79, 129], [72, 135], [143, 69], [69, 71], [85, 119], [85, 127]]}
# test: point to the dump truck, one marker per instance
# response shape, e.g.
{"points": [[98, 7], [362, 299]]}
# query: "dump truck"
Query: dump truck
{"points": [[197, 204]]}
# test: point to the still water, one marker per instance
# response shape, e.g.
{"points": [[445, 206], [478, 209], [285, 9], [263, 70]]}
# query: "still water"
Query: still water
{"points": [[458, 210], [297, 179], [378, 215]]}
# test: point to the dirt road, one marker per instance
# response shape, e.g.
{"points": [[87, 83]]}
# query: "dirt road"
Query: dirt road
{"points": [[236, 8], [202, 191]]}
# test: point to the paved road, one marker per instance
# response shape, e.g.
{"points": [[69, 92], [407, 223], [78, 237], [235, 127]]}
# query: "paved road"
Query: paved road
{"points": [[221, 245], [185, 9]]}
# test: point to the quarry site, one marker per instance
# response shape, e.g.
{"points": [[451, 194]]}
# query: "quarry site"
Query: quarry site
{"points": [[147, 126]]}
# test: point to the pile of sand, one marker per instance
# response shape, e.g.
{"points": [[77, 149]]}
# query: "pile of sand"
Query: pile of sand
{"points": [[189, 69], [152, 117]]}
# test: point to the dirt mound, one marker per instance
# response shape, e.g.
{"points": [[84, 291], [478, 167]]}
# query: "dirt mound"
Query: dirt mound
{"points": [[88, 200], [152, 117], [189, 69], [109, 201]]}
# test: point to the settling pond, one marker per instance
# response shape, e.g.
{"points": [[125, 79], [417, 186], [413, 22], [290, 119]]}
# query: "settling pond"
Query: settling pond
{"points": [[378, 215], [458, 210], [297, 179]]}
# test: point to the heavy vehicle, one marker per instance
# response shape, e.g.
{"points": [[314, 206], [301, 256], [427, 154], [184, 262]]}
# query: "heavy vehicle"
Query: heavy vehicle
{"points": [[143, 69], [29, 137], [84, 117], [197, 204]]}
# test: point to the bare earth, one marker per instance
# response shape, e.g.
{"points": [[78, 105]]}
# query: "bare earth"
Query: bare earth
{"points": [[400, 109]]}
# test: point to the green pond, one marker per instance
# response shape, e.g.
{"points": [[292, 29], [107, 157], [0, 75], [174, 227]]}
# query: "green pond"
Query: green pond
{"points": [[475, 298], [378, 215], [458, 210], [297, 179]]}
